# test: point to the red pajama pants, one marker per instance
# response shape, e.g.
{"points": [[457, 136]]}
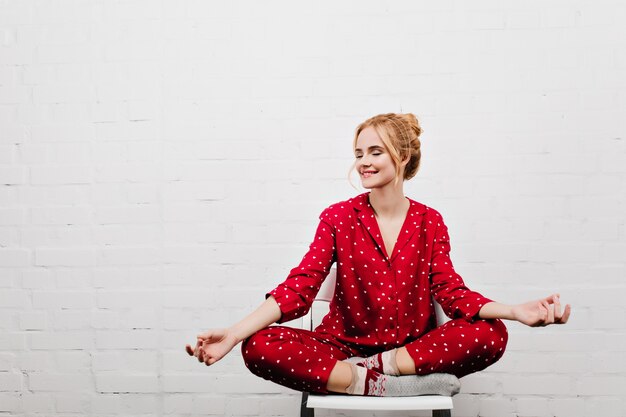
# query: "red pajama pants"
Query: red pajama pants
{"points": [[303, 359]]}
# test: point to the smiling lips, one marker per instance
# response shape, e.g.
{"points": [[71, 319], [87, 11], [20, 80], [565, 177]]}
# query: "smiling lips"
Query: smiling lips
{"points": [[367, 174]]}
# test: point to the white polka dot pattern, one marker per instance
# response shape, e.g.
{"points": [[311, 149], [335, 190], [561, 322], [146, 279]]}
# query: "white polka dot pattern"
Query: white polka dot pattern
{"points": [[380, 300]]}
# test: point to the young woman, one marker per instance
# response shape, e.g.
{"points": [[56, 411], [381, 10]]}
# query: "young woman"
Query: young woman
{"points": [[392, 255]]}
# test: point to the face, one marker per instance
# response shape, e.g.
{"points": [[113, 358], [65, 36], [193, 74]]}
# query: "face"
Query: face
{"points": [[373, 163]]}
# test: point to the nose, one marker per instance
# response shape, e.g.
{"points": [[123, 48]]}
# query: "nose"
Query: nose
{"points": [[364, 161]]}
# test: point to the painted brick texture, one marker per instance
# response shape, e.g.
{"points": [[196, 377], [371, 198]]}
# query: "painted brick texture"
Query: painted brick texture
{"points": [[163, 164]]}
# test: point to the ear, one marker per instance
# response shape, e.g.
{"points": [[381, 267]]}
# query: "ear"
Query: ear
{"points": [[405, 161]]}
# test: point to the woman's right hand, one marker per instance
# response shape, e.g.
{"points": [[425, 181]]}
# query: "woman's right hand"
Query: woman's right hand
{"points": [[212, 345]]}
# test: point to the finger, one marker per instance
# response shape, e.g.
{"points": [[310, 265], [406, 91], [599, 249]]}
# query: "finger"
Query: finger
{"points": [[547, 304], [549, 299], [199, 353], [544, 312], [557, 309], [189, 350], [550, 315], [566, 314]]}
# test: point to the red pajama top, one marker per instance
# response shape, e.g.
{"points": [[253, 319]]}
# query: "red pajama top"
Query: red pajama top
{"points": [[379, 300]]}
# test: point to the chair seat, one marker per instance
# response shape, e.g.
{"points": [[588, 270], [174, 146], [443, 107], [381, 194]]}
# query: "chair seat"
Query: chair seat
{"points": [[359, 402]]}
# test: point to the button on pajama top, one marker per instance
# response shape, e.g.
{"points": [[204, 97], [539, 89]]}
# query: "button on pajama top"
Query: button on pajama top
{"points": [[381, 301]]}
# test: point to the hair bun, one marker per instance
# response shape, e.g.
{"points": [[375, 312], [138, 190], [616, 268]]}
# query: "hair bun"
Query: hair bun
{"points": [[411, 119]]}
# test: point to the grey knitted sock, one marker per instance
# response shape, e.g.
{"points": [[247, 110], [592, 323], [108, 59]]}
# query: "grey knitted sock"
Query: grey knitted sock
{"points": [[432, 384], [368, 382]]}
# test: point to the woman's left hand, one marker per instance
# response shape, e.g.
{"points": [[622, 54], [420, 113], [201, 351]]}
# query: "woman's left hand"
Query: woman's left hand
{"points": [[542, 312]]}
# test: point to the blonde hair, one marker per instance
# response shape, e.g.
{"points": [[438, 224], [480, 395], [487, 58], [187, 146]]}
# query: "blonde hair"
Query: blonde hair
{"points": [[400, 135]]}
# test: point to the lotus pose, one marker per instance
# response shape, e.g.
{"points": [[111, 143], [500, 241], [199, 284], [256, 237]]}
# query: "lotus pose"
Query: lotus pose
{"points": [[392, 256]]}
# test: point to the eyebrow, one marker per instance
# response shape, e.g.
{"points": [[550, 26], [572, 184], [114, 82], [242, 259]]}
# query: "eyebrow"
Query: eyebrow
{"points": [[370, 148]]}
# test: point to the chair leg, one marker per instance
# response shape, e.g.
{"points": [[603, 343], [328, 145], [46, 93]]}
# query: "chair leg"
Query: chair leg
{"points": [[304, 410], [442, 413]]}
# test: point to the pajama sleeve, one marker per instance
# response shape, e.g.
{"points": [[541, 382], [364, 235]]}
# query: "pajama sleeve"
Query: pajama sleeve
{"points": [[296, 294], [447, 287]]}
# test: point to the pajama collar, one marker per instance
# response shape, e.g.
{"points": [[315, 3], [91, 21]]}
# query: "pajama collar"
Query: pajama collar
{"points": [[365, 213]]}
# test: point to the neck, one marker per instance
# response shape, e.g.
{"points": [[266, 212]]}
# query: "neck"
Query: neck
{"points": [[389, 202]]}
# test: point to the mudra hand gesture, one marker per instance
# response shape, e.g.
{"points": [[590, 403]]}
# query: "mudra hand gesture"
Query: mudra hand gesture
{"points": [[212, 345], [542, 312]]}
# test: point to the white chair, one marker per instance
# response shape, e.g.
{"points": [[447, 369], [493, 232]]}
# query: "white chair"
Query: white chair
{"points": [[439, 404]]}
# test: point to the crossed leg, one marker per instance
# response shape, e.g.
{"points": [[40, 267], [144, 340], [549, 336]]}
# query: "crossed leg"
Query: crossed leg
{"points": [[457, 347], [296, 358], [307, 361]]}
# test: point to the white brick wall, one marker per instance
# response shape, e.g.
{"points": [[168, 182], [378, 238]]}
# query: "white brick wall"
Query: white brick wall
{"points": [[163, 163]]}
